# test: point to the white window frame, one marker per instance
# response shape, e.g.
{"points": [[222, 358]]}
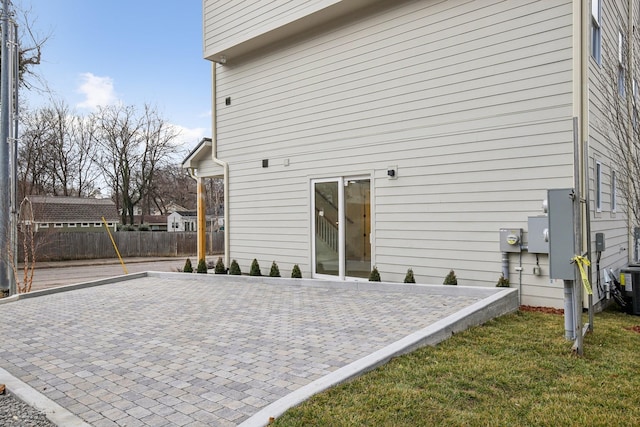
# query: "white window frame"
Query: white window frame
{"points": [[44, 225], [84, 224], [621, 63], [72, 225], [614, 195], [97, 224], [596, 30], [58, 225], [598, 186]]}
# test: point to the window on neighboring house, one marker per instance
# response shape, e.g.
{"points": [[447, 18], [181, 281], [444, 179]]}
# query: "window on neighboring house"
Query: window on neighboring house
{"points": [[97, 224], [614, 198], [84, 224], [596, 29], [57, 225], [44, 225], [621, 63], [72, 224], [598, 187]]}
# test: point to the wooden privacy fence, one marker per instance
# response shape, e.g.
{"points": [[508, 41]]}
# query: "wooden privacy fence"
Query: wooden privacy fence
{"points": [[52, 246]]}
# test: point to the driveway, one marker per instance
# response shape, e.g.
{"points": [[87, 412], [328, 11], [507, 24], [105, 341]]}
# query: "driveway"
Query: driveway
{"points": [[170, 349]]}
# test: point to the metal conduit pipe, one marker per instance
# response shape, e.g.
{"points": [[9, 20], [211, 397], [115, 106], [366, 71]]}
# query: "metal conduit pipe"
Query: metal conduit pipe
{"points": [[505, 265]]}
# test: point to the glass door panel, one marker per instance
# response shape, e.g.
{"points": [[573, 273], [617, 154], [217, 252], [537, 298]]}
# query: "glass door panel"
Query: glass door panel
{"points": [[326, 226], [357, 197]]}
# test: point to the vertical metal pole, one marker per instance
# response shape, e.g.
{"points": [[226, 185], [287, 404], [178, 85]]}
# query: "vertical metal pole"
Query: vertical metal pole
{"points": [[577, 231], [4, 149], [15, 82]]}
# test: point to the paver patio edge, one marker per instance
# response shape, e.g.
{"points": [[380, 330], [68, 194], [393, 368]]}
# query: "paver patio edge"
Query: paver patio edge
{"points": [[57, 289], [479, 291], [503, 302], [54, 412]]}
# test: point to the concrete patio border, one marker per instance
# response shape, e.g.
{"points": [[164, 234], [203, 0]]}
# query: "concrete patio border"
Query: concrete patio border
{"points": [[495, 302]]}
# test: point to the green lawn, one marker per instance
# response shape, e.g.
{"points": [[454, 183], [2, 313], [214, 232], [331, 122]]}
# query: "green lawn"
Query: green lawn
{"points": [[514, 371]]}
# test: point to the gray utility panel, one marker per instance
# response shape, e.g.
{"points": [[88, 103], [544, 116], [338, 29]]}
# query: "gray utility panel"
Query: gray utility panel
{"points": [[561, 234], [538, 235]]}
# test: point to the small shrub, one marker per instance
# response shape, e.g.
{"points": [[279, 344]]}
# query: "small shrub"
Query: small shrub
{"points": [[451, 279], [188, 268], [375, 275], [409, 277], [255, 268], [502, 282], [296, 273], [234, 268], [219, 268], [275, 271], [202, 266], [144, 227]]}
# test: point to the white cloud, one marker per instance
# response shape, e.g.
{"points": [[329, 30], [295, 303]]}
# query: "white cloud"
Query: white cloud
{"points": [[189, 136], [98, 91]]}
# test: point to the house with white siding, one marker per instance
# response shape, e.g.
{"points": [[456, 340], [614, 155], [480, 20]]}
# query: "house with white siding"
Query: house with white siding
{"points": [[407, 134]]}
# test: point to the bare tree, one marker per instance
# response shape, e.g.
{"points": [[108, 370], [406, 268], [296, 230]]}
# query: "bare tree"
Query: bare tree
{"points": [[172, 184], [215, 199], [132, 147], [56, 152], [31, 43], [619, 90]]}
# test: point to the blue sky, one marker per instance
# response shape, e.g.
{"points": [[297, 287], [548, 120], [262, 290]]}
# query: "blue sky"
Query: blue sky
{"points": [[130, 51]]}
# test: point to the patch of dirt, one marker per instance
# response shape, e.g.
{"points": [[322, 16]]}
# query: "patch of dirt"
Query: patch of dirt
{"points": [[634, 328], [547, 310]]}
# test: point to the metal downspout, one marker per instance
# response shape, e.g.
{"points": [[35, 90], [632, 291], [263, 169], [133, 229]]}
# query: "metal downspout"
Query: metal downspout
{"points": [[225, 165]]}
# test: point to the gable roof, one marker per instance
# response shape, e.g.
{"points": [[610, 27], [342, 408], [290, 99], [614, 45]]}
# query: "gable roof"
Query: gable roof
{"points": [[72, 209]]}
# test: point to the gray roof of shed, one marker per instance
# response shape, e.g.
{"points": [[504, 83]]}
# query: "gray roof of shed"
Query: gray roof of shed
{"points": [[72, 209]]}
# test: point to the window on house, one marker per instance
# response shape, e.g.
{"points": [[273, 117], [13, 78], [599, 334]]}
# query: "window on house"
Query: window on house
{"points": [[57, 225], [614, 196], [84, 224], [97, 224], [621, 63], [44, 225], [596, 29], [598, 187], [72, 224]]}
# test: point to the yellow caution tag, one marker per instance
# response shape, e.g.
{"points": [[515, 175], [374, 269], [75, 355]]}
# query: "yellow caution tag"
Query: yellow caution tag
{"points": [[582, 263]]}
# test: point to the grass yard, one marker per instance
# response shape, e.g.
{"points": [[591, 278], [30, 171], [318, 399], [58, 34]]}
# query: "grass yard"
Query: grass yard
{"points": [[517, 370]]}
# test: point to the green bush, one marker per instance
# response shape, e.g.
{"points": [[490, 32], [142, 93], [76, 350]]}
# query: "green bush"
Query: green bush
{"points": [[202, 266], [219, 268], [451, 279], [409, 277], [296, 273], [255, 268], [275, 271], [234, 269], [502, 282], [144, 227], [375, 275], [188, 268]]}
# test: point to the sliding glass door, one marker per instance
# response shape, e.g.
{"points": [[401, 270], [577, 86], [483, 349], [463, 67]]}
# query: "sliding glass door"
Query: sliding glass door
{"points": [[342, 227]]}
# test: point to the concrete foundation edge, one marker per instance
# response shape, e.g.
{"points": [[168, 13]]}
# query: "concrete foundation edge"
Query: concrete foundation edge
{"points": [[54, 412], [501, 303]]}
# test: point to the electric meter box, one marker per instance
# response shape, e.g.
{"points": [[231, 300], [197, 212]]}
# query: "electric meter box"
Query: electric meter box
{"points": [[510, 239], [538, 235]]}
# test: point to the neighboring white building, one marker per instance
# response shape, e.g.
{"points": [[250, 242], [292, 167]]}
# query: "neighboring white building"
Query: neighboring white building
{"points": [[362, 133], [182, 221]]}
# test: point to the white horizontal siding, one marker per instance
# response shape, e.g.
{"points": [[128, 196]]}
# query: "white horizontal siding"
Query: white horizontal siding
{"points": [[471, 100], [602, 97], [229, 22]]}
